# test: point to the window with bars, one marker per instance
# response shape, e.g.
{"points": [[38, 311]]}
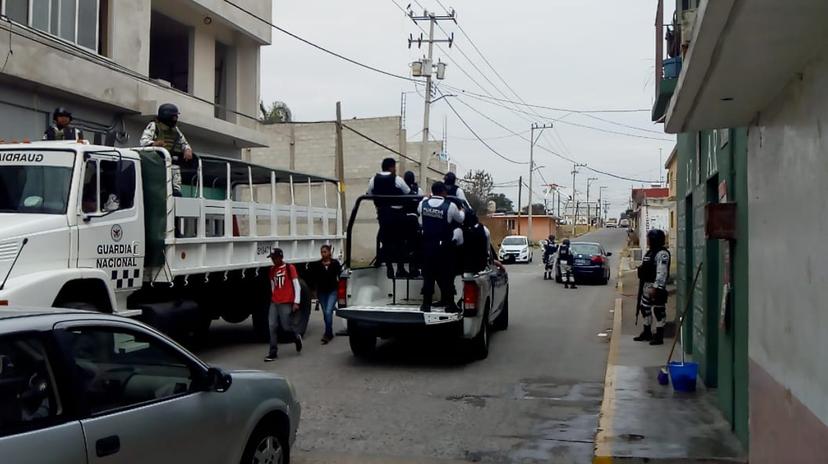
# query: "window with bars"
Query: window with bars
{"points": [[76, 21]]}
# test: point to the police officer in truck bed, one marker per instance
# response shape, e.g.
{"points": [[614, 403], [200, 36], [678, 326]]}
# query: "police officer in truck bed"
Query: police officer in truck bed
{"points": [[390, 215], [439, 218]]}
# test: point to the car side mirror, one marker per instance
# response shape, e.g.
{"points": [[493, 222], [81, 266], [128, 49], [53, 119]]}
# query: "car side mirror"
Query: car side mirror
{"points": [[609, 253], [218, 380]]}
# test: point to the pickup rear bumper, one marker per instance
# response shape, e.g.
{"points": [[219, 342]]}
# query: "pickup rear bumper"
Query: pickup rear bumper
{"points": [[392, 321]]}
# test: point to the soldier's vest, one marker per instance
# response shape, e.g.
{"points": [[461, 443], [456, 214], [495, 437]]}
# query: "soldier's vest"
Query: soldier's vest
{"points": [[648, 269], [171, 137], [67, 133], [436, 228]]}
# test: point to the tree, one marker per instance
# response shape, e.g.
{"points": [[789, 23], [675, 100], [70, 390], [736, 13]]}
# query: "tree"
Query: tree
{"points": [[537, 209], [478, 187], [502, 202], [278, 112]]}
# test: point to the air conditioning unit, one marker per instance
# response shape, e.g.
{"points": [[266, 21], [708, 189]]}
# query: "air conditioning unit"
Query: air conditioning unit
{"points": [[688, 22]]}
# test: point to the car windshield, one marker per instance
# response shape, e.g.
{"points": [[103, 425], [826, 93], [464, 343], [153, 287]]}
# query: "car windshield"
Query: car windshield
{"points": [[514, 241], [585, 249], [34, 189]]}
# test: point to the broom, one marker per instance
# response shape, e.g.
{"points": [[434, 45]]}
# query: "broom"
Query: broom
{"points": [[663, 374]]}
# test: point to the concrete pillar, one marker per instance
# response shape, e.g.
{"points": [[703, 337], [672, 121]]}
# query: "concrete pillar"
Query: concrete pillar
{"points": [[129, 34], [247, 82], [203, 66]]}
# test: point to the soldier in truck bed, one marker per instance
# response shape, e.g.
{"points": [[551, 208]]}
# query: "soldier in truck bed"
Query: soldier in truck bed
{"points": [[163, 132]]}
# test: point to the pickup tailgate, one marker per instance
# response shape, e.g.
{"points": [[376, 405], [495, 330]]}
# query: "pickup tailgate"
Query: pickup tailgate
{"points": [[398, 315]]}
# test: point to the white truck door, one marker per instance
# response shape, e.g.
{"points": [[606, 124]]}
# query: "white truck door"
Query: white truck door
{"points": [[111, 220]]}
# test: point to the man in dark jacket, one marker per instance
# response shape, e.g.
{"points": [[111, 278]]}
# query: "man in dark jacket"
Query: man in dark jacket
{"points": [[390, 215]]}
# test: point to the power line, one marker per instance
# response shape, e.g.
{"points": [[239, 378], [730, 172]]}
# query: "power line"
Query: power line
{"points": [[569, 123], [319, 47], [479, 138]]}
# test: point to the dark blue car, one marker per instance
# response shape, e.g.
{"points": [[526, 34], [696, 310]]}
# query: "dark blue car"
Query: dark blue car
{"points": [[591, 263]]}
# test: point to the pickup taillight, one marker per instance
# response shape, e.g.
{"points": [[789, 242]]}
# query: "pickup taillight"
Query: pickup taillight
{"points": [[470, 297], [342, 293]]}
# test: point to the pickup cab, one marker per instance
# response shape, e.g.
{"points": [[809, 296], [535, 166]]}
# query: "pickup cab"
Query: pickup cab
{"points": [[377, 307]]}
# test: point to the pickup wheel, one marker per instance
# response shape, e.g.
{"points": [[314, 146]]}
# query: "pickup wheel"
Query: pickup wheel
{"points": [[502, 321], [363, 345], [479, 345], [260, 323]]}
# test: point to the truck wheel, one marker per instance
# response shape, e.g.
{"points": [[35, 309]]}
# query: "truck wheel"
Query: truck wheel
{"points": [[502, 321], [363, 345], [480, 343]]}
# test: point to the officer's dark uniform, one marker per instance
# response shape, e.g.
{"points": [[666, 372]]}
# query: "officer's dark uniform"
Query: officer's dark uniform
{"points": [[548, 251], [565, 262], [475, 255], [438, 252], [653, 275], [412, 233], [391, 217]]}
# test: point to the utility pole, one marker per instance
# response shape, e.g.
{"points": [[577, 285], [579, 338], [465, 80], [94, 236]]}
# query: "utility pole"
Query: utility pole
{"points": [[600, 203], [520, 192], [425, 68], [340, 163], [589, 181], [532, 141], [575, 210]]}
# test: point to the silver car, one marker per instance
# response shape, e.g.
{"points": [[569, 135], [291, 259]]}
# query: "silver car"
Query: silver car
{"points": [[82, 387]]}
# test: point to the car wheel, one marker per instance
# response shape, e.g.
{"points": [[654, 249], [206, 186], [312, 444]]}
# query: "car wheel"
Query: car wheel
{"points": [[363, 345], [480, 342], [261, 326], [606, 279], [502, 321], [265, 447]]}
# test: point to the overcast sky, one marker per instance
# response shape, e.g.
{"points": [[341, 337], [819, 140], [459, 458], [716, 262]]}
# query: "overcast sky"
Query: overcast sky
{"points": [[573, 54]]}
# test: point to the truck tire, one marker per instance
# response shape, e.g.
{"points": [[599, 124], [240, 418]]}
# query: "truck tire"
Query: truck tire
{"points": [[502, 321], [363, 344], [479, 345], [261, 326]]}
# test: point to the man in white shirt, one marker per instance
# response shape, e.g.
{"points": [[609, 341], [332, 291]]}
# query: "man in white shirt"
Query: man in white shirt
{"points": [[440, 218]]}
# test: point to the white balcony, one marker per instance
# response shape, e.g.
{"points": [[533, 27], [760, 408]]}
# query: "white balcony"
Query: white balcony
{"points": [[742, 54]]}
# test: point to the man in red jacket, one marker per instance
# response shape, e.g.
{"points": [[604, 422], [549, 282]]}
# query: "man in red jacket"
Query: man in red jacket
{"points": [[284, 301]]}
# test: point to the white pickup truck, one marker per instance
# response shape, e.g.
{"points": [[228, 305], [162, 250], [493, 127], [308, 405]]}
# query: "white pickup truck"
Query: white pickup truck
{"points": [[376, 306], [97, 227]]}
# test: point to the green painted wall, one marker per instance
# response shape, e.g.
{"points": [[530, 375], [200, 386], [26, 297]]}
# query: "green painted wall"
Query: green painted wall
{"points": [[717, 340]]}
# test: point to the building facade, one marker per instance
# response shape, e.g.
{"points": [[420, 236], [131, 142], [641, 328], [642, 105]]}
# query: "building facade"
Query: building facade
{"points": [[748, 107], [112, 63]]}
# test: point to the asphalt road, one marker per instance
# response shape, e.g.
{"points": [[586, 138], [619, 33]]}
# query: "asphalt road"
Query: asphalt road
{"points": [[535, 399]]}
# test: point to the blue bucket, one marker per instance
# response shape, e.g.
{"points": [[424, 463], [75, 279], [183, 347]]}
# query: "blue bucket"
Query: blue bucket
{"points": [[683, 375]]}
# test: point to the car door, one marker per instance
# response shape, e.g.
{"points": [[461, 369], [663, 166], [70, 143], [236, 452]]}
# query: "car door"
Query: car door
{"points": [[37, 424], [499, 284], [111, 220], [141, 398]]}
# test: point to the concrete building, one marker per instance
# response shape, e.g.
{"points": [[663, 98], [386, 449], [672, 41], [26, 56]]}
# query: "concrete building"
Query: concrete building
{"points": [[747, 106], [113, 62], [311, 147], [651, 210], [671, 165], [542, 225]]}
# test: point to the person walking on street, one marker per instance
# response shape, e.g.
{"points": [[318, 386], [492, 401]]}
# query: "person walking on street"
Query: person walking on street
{"points": [[284, 302], [163, 132], [653, 275], [390, 216], [440, 218], [325, 278], [62, 128], [565, 261]]}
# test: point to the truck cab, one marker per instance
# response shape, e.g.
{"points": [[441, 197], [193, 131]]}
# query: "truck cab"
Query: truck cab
{"points": [[71, 225]]}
